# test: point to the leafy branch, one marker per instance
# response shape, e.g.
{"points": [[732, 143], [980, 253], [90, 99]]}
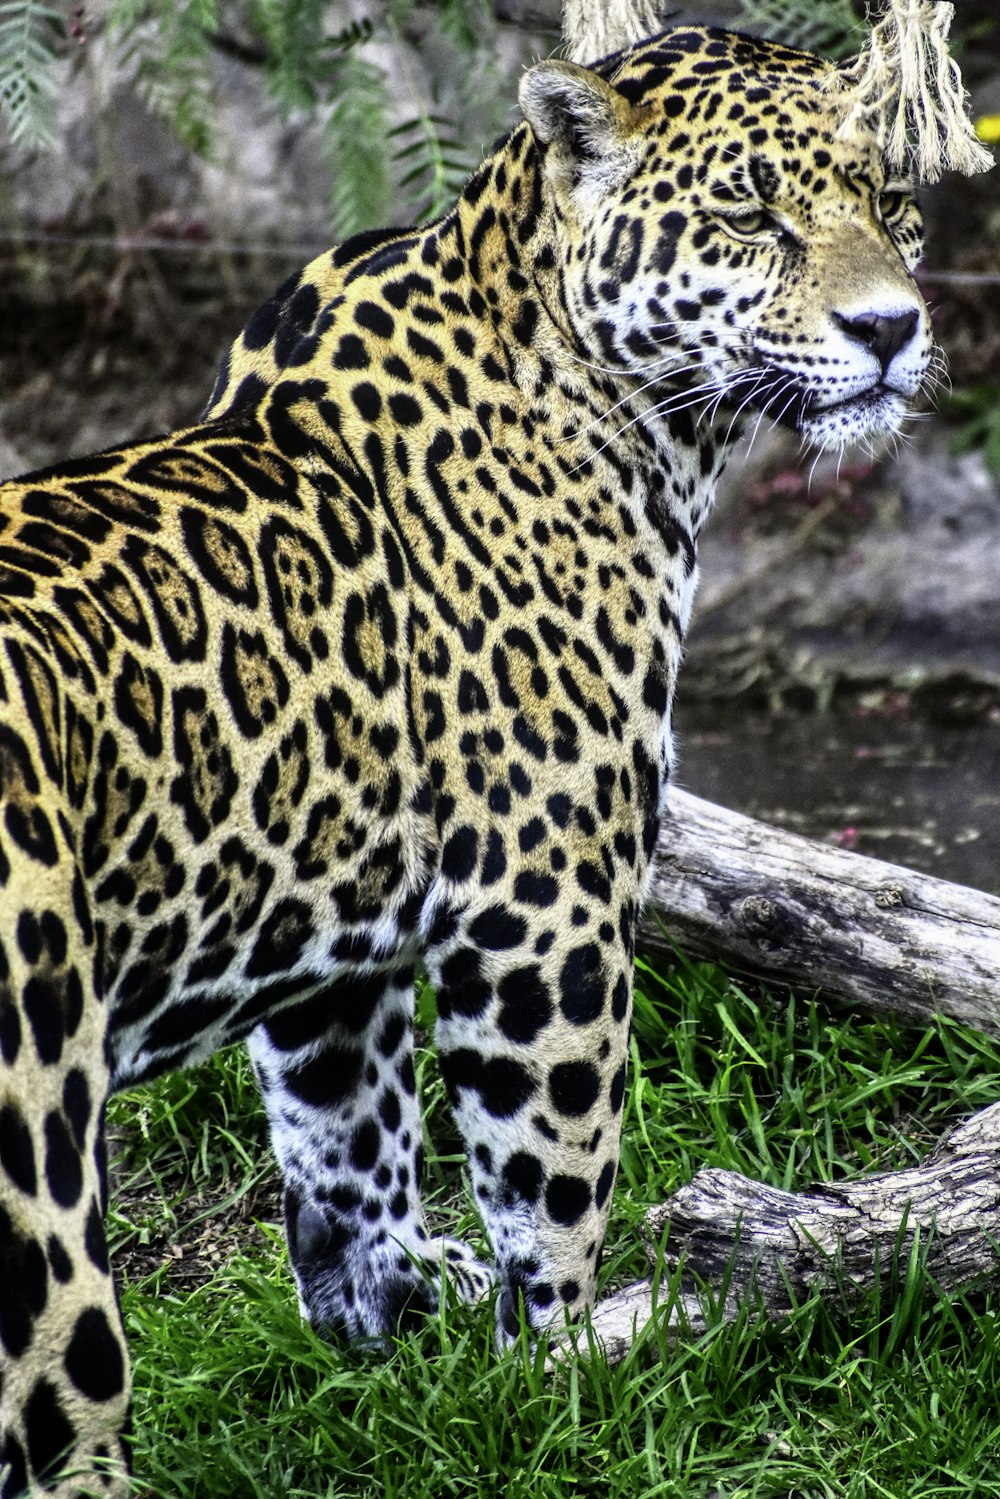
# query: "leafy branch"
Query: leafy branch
{"points": [[834, 28], [299, 55], [319, 72], [169, 42], [30, 56], [434, 164], [354, 144]]}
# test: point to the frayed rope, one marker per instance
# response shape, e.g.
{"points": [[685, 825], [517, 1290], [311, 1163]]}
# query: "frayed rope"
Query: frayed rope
{"points": [[594, 28], [907, 89]]}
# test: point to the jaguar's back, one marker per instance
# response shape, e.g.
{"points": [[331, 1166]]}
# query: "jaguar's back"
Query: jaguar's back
{"points": [[375, 665]]}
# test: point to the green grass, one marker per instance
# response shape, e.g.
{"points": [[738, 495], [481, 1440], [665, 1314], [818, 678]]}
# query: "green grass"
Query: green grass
{"points": [[894, 1397]]}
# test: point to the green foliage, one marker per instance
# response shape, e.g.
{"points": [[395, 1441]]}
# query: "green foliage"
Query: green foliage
{"points": [[892, 1396], [977, 410], [355, 147], [315, 63], [300, 55], [411, 170], [430, 159], [30, 38], [169, 43], [433, 164], [835, 28], [467, 22]]}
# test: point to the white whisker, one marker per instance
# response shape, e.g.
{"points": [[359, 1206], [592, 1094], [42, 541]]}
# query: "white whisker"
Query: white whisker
{"points": [[791, 384], [682, 402], [812, 469], [747, 401], [683, 397]]}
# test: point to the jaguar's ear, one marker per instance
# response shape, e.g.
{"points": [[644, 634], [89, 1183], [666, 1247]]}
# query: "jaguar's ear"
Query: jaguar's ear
{"points": [[583, 119]]}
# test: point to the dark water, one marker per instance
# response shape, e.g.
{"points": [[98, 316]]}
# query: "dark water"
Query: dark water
{"points": [[907, 791]]}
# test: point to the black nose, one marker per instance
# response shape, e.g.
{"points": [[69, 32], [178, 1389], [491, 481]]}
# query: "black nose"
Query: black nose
{"points": [[883, 333]]}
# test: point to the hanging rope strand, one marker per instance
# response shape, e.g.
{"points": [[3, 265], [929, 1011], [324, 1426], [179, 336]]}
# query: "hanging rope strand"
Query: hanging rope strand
{"points": [[907, 88], [593, 28]]}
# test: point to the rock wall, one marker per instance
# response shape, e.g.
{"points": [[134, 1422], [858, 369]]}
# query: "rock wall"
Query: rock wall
{"points": [[885, 575], [117, 166]]}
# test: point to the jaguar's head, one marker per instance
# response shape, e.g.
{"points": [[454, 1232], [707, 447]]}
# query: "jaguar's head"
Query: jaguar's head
{"points": [[718, 243]]}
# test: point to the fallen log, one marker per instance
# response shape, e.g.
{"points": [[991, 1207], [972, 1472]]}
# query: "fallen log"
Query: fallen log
{"points": [[750, 1240], [767, 902]]}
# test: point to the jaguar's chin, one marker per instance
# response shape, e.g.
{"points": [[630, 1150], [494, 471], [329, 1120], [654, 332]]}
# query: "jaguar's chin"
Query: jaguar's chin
{"points": [[875, 413]]}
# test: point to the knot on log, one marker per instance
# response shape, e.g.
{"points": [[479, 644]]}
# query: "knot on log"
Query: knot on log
{"points": [[758, 914]]}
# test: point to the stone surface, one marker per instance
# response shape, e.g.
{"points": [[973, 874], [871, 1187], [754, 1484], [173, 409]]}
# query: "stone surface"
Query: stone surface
{"points": [[115, 162], [888, 575]]}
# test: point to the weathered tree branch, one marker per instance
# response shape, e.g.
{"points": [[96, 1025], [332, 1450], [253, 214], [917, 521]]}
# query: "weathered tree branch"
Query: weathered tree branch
{"points": [[767, 902], [779, 1246]]}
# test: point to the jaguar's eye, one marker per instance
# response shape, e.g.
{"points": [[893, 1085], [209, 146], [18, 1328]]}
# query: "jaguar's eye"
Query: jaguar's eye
{"points": [[892, 203], [750, 222]]}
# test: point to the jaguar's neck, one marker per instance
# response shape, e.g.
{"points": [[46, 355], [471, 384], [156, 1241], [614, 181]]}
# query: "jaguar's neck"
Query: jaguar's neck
{"points": [[503, 240], [476, 294]]}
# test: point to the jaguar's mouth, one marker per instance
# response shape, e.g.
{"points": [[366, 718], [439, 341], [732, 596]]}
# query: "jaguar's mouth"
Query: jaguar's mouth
{"points": [[791, 403]]}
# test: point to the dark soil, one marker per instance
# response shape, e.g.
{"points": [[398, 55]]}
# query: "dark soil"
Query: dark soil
{"points": [[177, 1221], [99, 347]]}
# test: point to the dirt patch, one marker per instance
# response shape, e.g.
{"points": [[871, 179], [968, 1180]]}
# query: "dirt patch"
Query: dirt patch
{"points": [[183, 1199]]}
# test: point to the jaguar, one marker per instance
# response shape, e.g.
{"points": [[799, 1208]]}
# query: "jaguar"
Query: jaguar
{"points": [[372, 668]]}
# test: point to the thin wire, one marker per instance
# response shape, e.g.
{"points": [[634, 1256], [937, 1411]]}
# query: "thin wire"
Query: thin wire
{"points": [[960, 278]]}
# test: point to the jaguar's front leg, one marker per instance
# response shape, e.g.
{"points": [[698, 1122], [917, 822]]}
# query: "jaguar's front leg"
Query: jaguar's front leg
{"points": [[336, 1071], [533, 1033]]}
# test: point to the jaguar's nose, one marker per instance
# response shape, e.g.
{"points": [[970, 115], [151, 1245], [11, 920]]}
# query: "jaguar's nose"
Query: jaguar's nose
{"points": [[885, 333]]}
